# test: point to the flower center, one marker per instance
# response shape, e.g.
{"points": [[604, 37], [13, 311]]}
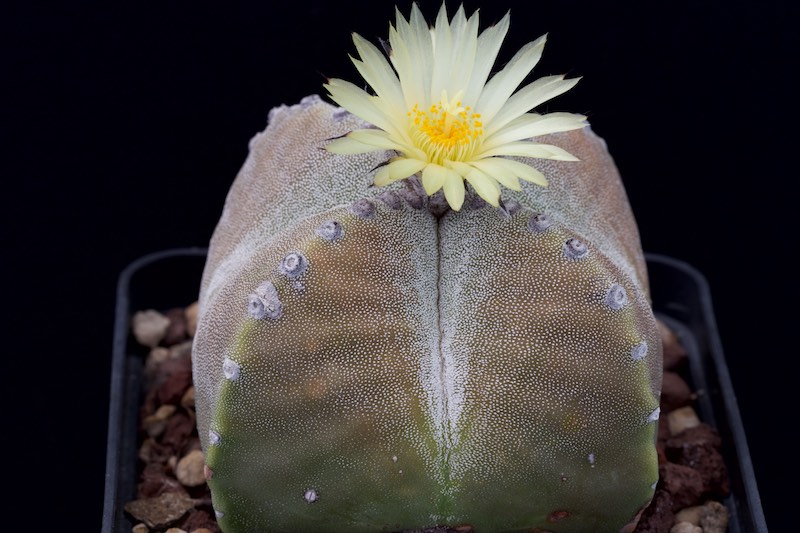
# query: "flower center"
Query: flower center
{"points": [[447, 130]]}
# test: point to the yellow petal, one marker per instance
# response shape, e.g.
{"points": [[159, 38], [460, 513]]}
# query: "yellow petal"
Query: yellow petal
{"points": [[530, 149], [533, 125], [505, 82], [347, 146], [377, 139], [359, 103], [529, 97], [433, 178], [454, 191], [501, 173], [455, 47], [485, 186], [521, 170], [397, 169], [376, 71], [412, 56], [487, 49]]}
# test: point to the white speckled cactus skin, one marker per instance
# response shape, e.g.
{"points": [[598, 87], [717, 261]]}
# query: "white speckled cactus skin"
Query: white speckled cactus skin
{"points": [[362, 364]]}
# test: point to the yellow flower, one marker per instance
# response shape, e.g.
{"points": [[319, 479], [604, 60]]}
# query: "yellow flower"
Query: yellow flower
{"points": [[435, 109]]}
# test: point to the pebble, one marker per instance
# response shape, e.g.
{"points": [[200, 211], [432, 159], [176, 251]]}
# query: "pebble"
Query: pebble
{"points": [[683, 483], [675, 355], [681, 419], [190, 314], [187, 400], [699, 448], [176, 530], [160, 511], [689, 514], [140, 528], [658, 516], [182, 350], [156, 423], [714, 517], [190, 471], [145, 450], [149, 327], [685, 527], [176, 332], [675, 392]]}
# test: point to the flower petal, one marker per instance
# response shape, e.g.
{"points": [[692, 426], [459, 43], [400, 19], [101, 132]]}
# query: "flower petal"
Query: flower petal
{"points": [[485, 186], [434, 177], [528, 98], [487, 49], [454, 190], [530, 149], [532, 125], [505, 82], [398, 168], [359, 103], [521, 170], [377, 71], [412, 56], [378, 139], [500, 172], [347, 146], [455, 47]]}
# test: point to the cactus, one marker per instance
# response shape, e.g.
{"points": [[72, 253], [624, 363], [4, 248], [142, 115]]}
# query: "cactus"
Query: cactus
{"points": [[372, 360]]}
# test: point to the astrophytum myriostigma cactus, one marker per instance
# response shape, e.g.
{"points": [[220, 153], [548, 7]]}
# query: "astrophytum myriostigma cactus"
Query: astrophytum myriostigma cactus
{"points": [[369, 359]]}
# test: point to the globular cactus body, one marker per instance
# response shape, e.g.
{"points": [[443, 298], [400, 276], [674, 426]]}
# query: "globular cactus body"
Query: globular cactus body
{"points": [[374, 365]]}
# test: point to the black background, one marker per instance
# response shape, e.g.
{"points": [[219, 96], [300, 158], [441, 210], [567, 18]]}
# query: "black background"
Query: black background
{"points": [[127, 122]]}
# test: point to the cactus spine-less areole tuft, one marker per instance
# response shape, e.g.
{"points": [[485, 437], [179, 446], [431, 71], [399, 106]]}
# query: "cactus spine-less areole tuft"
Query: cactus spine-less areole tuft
{"points": [[380, 359]]}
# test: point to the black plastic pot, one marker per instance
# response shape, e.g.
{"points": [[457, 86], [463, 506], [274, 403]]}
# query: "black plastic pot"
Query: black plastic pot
{"points": [[681, 298]]}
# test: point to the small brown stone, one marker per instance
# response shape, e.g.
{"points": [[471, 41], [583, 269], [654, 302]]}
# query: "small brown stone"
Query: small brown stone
{"points": [[699, 434], [190, 469], [179, 428], [155, 481], [156, 423], [200, 521], [684, 485], [157, 355], [161, 511], [675, 355], [140, 528], [176, 332], [675, 392], [190, 314], [145, 450], [187, 400], [698, 448], [658, 516], [178, 374], [181, 350]]}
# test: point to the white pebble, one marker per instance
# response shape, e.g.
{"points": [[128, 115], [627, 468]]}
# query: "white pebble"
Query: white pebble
{"points": [[681, 419], [149, 327], [189, 470], [685, 527]]}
